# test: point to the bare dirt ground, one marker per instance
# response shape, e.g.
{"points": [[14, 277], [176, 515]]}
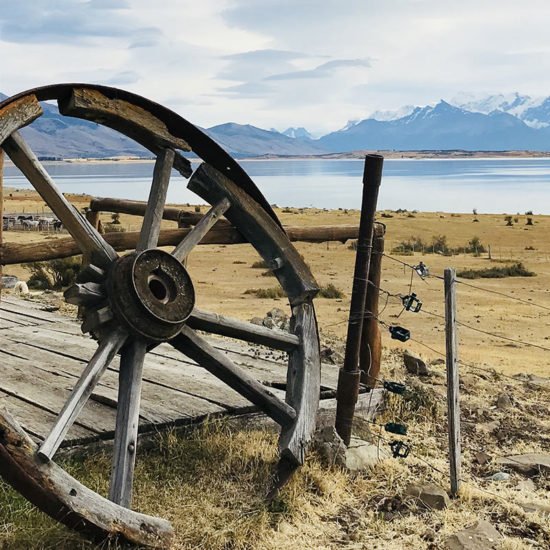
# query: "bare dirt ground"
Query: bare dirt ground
{"points": [[222, 275]]}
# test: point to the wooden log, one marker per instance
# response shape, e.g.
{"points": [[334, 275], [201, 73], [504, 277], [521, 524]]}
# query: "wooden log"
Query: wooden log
{"points": [[200, 230], [88, 239], [150, 230], [127, 420], [18, 114], [127, 118], [64, 247], [218, 364], [303, 384], [105, 353], [260, 230], [370, 352], [66, 500], [82, 294], [241, 330]]}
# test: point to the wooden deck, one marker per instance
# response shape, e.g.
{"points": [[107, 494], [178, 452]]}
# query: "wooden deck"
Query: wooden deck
{"points": [[42, 354]]}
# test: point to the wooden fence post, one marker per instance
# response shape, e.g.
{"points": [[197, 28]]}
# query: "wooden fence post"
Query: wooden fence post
{"points": [[453, 405], [2, 216], [370, 352]]}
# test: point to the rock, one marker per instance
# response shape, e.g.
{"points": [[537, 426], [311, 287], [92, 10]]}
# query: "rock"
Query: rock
{"points": [[530, 464], [257, 321], [330, 446], [361, 455], [480, 536], [536, 508], [482, 458], [438, 361], [499, 476], [429, 495], [268, 322], [504, 402], [526, 485], [414, 364]]}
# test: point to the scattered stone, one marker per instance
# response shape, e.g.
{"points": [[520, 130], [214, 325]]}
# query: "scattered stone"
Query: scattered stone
{"points": [[530, 464], [504, 402], [330, 355], [330, 446], [414, 364], [438, 361], [536, 508], [429, 495], [527, 485], [500, 476], [480, 536], [257, 321], [482, 458], [361, 455]]}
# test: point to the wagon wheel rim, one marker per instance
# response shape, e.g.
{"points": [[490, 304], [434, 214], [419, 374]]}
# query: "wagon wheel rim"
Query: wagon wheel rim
{"points": [[132, 303]]}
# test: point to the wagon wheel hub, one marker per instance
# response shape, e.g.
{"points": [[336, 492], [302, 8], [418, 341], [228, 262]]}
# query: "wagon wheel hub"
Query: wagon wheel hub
{"points": [[151, 294]]}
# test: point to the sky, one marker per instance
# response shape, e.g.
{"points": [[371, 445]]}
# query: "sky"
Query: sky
{"points": [[280, 63]]}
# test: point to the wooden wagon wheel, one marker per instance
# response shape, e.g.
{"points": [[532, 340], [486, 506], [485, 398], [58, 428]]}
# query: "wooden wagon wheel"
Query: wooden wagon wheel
{"points": [[131, 303]]}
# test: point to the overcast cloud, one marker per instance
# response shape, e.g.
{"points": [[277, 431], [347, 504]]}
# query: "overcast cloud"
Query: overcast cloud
{"points": [[280, 63]]}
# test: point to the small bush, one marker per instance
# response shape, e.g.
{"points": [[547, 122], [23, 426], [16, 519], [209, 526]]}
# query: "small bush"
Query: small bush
{"points": [[260, 264], [516, 269], [54, 274], [386, 215], [113, 228], [331, 292], [115, 218], [272, 293], [352, 245], [268, 273], [529, 221], [414, 244], [529, 213]]}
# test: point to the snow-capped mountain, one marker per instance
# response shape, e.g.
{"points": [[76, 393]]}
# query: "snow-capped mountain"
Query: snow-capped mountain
{"points": [[297, 133]]}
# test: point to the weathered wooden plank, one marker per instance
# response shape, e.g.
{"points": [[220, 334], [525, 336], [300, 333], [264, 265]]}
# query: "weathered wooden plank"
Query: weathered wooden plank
{"points": [[17, 319], [106, 350], [66, 500], [192, 345], [7, 324], [303, 384], [65, 247], [31, 310], [234, 328], [88, 239], [152, 219], [127, 118], [49, 391], [260, 230], [36, 420], [18, 114], [127, 420], [198, 233]]}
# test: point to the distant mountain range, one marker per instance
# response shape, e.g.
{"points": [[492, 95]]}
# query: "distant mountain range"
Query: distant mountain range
{"points": [[491, 123]]}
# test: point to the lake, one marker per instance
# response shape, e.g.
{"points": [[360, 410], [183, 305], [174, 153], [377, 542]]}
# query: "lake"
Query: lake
{"points": [[489, 185]]}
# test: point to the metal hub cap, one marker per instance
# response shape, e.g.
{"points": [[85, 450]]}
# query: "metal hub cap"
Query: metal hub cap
{"points": [[151, 293]]}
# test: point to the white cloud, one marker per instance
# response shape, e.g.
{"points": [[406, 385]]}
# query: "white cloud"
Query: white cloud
{"points": [[280, 63]]}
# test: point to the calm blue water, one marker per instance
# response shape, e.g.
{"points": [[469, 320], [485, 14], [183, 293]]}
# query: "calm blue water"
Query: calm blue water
{"points": [[493, 186]]}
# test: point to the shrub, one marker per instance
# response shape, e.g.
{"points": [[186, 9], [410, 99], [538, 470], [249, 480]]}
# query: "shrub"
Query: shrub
{"points": [[260, 264], [439, 245], [508, 220], [516, 269], [414, 244], [529, 221], [113, 228], [330, 291], [352, 244], [268, 273], [529, 213], [54, 274], [474, 247], [115, 218], [272, 293]]}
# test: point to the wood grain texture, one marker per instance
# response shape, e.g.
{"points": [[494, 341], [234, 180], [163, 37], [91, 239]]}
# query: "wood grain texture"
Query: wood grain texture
{"points": [[106, 350], [453, 382], [198, 233], [18, 114], [241, 330], [259, 229], [152, 219], [127, 118], [127, 421], [198, 349], [62, 497], [303, 383], [65, 247], [88, 239]]}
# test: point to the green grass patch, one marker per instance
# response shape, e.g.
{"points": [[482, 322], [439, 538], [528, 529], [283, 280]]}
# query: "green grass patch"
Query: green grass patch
{"points": [[516, 269]]}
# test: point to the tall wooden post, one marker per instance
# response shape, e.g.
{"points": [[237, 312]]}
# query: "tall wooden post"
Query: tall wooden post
{"points": [[370, 353], [2, 216], [453, 404], [349, 376]]}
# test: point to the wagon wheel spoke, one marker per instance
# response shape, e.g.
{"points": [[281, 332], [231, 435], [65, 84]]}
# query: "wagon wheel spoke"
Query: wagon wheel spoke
{"points": [[241, 330], [218, 364], [86, 236], [204, 225], [127, 421], [152, 219], [101, 359]]}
